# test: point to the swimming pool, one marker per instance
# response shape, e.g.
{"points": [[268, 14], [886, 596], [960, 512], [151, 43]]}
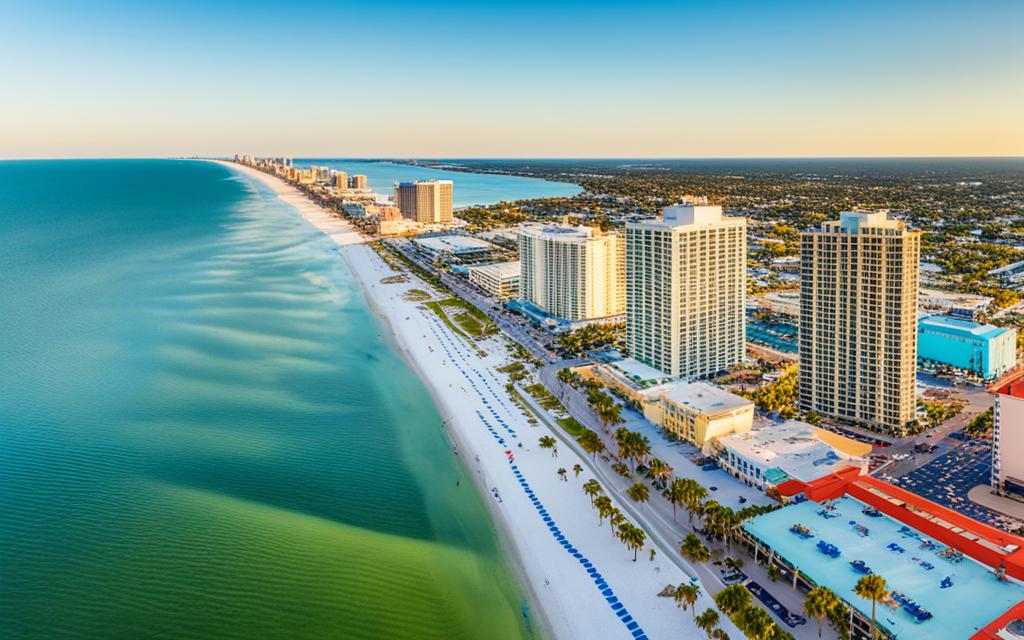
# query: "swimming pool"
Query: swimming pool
{"points": [[974, 600]]}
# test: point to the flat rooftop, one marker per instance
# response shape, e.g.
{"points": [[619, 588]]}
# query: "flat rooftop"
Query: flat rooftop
{"points": [[638, 372], [975, 599], [799, 449], [501, 270], [961, 327], [453, 243], [700, 396]]}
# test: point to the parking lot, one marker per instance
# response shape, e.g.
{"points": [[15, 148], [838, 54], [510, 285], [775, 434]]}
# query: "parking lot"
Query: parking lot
{"points": [[948, 478]]}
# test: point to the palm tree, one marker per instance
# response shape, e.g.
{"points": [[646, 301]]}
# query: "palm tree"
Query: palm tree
{"points": [[873, 588], [756, 623], [632, 536], [593, 489], [547, 442], [562, 473], [660, 471], [694, 549], [693, 494], [818, 603], [707, 621], [591, 443], [686, 597], [577, 469], [676, 494], [733, 599], [639, 492], [616, 519], [719, 634], [605, 508]]}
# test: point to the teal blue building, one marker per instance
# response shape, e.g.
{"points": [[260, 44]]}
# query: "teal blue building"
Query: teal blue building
{"points": [[987, 351]]}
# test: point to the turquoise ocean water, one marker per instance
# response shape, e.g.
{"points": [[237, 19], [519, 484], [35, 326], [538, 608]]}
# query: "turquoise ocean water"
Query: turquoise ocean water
{"points": [[469, 188], [203, 433]]}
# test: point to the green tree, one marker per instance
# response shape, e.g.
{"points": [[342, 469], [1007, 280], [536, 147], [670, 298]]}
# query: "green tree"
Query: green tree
{"points": [[733, 599], [818, 603], [562, 474], [577, 469], [675, 494], [708, 621], [591, 443], [639, 492], [660, 472], [874, 588], [633, 537], [593, 489], [693, 549], [604, 507], [547, 442], [756, 623], [686, 597]]}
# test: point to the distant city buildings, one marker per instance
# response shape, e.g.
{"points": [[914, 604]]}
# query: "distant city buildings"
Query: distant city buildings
{"points": [[500, 279], [858, 320], [986, 351], [1008, 437], [425, 201], [357, 182], [573, 273], [686, 284], [341, 180]]}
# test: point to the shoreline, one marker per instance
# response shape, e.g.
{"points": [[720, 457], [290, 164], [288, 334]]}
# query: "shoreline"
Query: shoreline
{"points": [[576, 578], [539, 620]]}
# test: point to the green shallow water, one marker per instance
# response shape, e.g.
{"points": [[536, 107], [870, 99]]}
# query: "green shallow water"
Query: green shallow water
{"points": [[203, 433]]}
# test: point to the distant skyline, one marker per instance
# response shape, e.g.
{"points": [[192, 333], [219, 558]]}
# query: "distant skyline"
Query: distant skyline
{"points": [[526, 79]]}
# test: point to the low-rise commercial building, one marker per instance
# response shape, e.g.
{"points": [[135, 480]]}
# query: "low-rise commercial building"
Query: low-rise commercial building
{"points": [[794, 450], [500, 279], [986, 351], [454, 248], [948, 577], [697, 412]]}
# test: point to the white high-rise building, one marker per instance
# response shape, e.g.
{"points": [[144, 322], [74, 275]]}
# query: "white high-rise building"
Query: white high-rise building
{"points": [[575, 273], [858, 319], [686, 290]]}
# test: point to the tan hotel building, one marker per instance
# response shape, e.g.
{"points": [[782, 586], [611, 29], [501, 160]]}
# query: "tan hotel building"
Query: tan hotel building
{"points": [[425, 201], [686, 290], [574, 273], [858, 319]]}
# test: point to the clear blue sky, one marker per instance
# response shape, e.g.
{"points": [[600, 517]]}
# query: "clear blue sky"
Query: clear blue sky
{"points": [[680, 79]]}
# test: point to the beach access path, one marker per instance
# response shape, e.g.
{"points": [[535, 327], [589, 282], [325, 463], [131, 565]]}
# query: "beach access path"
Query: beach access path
{"points": [[585, 581]]}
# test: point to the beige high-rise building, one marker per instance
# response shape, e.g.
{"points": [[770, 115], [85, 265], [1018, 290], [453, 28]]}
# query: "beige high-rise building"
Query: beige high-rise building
{"points": [[575, 273], [858, 319], [425, 201], [686, 290], [357, 182], [341, 180]]}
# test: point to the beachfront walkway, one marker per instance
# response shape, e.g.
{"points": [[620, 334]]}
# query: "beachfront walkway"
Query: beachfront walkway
{"points": [[585, 580]]}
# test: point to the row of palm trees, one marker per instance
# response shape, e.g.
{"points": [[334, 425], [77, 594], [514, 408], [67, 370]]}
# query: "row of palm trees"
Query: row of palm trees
{"points": [[631, 535], [736, 602], [686, 596]]}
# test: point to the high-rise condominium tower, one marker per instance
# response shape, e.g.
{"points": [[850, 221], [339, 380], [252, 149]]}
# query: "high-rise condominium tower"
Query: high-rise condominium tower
{"points": [[858, 319], [686, 290], [357, 182], [341, 180], [425, 201], [574, 273]]}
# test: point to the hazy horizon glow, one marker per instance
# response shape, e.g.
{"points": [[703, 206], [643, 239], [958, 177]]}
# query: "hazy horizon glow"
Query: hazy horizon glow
{"points": [[526, 79]]}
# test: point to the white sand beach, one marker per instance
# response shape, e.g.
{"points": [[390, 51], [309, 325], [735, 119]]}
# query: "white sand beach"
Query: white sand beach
{"points": [[581, 577]]}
